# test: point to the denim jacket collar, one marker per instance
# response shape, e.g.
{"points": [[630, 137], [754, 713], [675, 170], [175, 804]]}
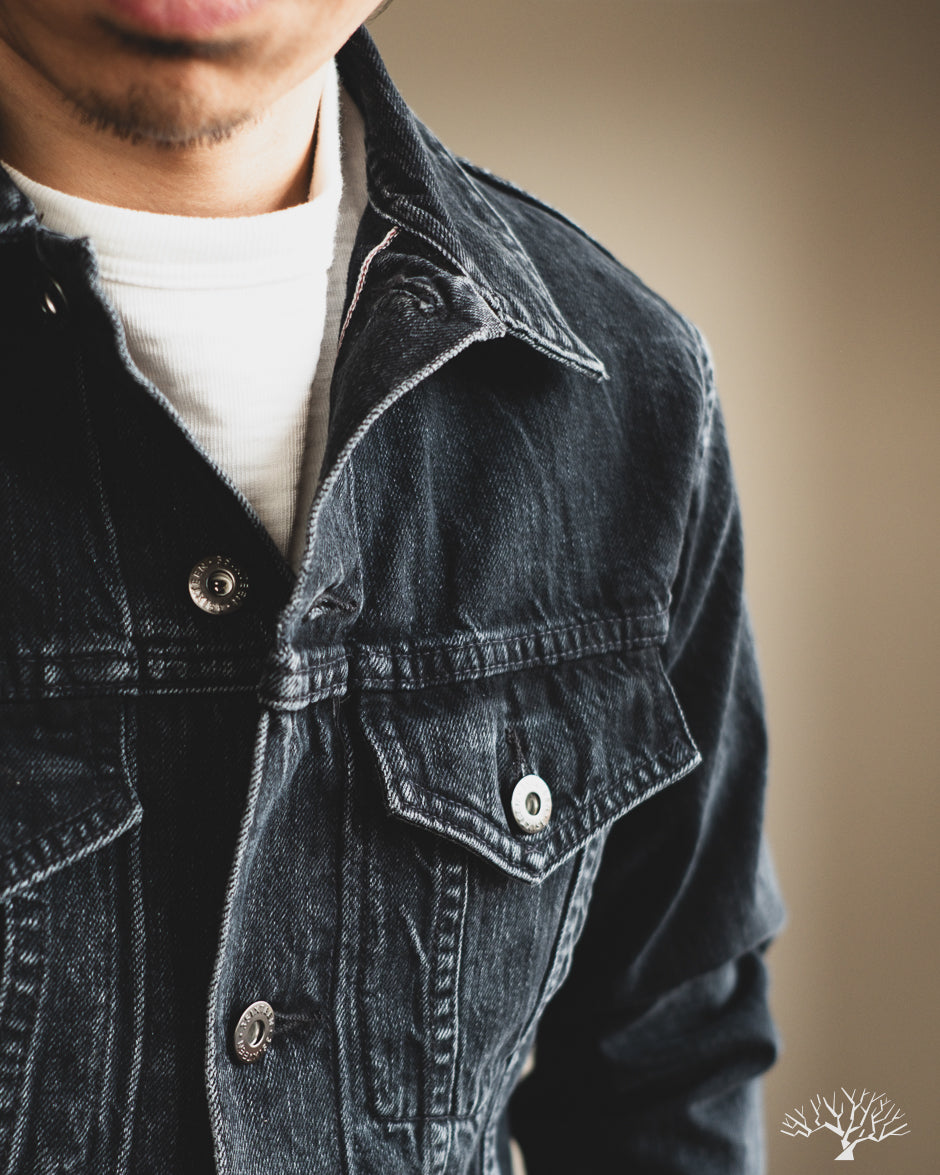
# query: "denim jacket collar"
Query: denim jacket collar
{"points": [[416, 183]]}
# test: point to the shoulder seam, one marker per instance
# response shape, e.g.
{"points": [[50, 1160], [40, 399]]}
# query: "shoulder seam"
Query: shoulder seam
{"points": [[709, 390]]}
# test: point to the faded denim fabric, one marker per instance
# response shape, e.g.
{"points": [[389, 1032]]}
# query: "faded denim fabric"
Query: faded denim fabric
{"points": [[524, 556]]}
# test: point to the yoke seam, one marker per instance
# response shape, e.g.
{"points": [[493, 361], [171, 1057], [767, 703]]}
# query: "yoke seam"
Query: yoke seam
{"points": [[503, 667]]}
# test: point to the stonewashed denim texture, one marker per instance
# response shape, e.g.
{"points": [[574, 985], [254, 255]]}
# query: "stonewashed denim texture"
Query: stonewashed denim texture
{"points": [[524, 556]]}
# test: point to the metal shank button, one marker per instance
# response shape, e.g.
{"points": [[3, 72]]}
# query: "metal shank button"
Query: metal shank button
{"points": [[217, 585], [54, 301], [531, 803], [253, 1031]]}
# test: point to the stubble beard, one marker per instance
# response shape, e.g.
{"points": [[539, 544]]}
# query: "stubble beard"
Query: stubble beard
{"points": [[143, 116], [149, 114]]}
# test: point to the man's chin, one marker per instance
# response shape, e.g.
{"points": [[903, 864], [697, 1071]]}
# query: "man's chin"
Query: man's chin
{"points": [[144, 117]]}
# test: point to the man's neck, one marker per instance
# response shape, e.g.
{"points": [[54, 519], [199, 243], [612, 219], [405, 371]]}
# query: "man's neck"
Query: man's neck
{"points": [[263, 166]]}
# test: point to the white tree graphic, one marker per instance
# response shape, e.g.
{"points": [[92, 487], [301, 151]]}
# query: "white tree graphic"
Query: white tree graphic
{"points": [[872, 1111]]}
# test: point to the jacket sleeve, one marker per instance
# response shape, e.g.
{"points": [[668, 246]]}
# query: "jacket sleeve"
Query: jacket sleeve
{"points": [[648, 1060]]}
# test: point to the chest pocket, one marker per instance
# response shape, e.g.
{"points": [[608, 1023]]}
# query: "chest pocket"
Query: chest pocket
{"points": [[468, 918], [64, 790], [65, 794]]}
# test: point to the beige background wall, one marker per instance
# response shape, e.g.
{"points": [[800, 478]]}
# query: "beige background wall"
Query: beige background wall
{"points": [[771, 169]]}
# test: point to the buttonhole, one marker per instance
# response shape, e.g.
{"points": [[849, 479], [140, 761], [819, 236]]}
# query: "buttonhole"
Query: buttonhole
{"points": [[422, 294], [287, 1022], [520, 764], [327, 602]]}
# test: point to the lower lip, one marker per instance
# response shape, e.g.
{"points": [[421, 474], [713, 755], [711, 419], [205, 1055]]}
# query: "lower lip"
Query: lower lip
{"points": [[184, 18]]}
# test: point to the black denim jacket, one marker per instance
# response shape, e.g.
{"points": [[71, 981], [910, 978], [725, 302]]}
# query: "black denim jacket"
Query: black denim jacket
{"points": [[523, 559]]}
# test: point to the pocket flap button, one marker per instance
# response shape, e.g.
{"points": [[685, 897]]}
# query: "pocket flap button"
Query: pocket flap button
{"points": [[531, 803]]}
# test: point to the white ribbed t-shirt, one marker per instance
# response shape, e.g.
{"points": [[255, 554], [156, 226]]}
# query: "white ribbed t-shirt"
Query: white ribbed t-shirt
{"points": [[236, 319]]}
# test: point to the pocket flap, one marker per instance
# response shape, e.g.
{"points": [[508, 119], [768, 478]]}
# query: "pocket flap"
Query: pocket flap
{"points": [[64, 790], [603, 733]]}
